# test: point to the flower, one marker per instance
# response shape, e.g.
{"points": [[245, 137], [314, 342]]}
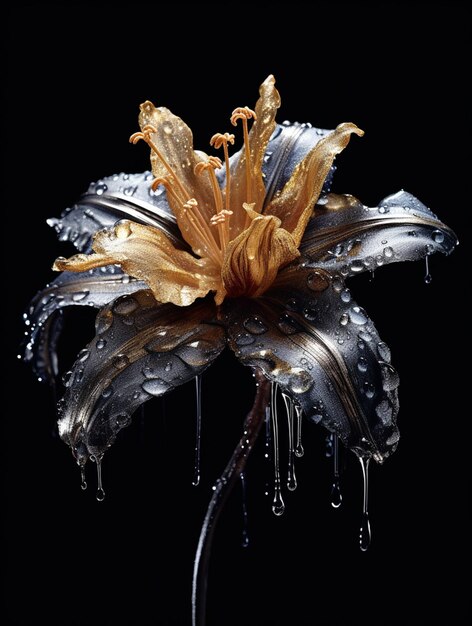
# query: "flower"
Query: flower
{"points": [[252, 255]]}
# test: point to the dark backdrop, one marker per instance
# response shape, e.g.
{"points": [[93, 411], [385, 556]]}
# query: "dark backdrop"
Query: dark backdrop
{"points": [[75, 78]]}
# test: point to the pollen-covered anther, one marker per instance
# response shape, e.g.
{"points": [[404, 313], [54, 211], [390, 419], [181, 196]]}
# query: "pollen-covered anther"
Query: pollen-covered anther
{"points": [[222, 139], [221, 217], [242, 113]]}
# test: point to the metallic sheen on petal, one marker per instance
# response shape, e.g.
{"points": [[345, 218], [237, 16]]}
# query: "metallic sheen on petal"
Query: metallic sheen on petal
{"points": [[256, 255], [142, 350], [294, 204], [147, 254]]}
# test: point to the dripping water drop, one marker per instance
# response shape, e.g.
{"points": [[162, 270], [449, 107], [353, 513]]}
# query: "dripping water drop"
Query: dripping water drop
{"points": [[100, 495], [278, 506], [83, 482], [291, 478], [427, 277], [365, 535], [198, 431], [299, 450], [336, 494]]}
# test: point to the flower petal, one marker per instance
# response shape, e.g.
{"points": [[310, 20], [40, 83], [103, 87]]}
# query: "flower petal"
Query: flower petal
{"points": [[259, 135], [346, 236], [142, 350], [43, 319], [174, 140], [122, 196], [294, 204], [322, 349], [147, 254], [253, 259]]}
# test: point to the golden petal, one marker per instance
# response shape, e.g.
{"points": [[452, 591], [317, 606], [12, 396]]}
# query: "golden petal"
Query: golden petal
{"points": [[144, 252], [295, 203], [259, 135], [174, 140], [253, 259]]}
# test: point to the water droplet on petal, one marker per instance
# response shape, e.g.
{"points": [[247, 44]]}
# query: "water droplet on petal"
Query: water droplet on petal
{"points": [[83, 355], [78, 296], [123, 228], [122, 420], [390, 377], [245, 339], [167, 128], [255, 325], [344, 319], [438, 236], [336, 494], [346, 295], [357, 266], [317, 281], [100, 189], [362, 364], [338, 284], [120, 361], [358, 315], [155, 386], [384, 352], [388, 252], [107, 392], [125, 306], [299, 380], [369, 390], [384, 411], [288, 325], [101, 343]]}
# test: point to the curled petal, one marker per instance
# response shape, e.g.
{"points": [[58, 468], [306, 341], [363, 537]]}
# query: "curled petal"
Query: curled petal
{"points": [[259, 135], [294, 204], [142, 350], [147, 254], [323, 350], [344, 235], [256, 255], [43, 318], [122, 196]]}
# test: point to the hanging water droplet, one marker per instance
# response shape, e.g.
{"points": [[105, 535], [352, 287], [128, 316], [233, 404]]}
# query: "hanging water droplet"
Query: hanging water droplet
{"points": [[358, 315], [299, 451], [365, 535], [198, 430], [101, 343], [427, 277], [100, 494], [155, 386], [336, 494], [255, 325], [278, 506], [438, 236], [83, 482], [291, 477], [245, 535], [80, 295]]}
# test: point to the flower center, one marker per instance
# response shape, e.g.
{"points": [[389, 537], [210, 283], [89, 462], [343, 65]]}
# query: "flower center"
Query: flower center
{"points": [[214, 234]]}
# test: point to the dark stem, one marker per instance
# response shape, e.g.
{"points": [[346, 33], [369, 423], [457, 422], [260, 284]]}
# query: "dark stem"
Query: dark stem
{"points": [[224, 485]]}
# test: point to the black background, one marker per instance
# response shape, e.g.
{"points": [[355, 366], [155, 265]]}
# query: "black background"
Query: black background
{"points": [[75, 79]]}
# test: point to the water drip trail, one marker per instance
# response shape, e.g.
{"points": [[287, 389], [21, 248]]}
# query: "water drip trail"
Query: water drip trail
{"points": [[365, 535], [268, 446], [336, 494], [198, 430], [245, 535], [291, 478], [427, 277], [299, 450], [83, 482], [100, 495], [278, 506]]}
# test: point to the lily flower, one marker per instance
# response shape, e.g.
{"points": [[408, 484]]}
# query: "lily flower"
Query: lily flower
{"points": [[249, 253]]}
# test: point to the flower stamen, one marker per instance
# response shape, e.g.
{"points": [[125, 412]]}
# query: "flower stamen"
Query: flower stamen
{"points": [[218, 140], [210, 166], [244, 114], [201, 227], [145, 135]]}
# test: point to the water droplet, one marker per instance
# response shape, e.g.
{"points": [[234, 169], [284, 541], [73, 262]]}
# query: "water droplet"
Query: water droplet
{"points": [[167, 128], [299, 380], [78, 296], [357, 266], [106, 393], [317, 281], [336, 494], [338, 284], [125, 279], [278, 506], [198, 431], [123, 228], [438, 236], [362, 364], [83, 482], [67, 378], [383, 209], [244, 339], [288, 325], [388, 252], [291, 477], [365, 535], [122, 420], [101, 343], [100, 494], [155, 386], [390, 377], [344, 319], [365, 336], [329, 445], [299, 451], [83, 355], [384, 351], [384, 411], [369, 390], [358, 315], [120, 361], [255, 325], [346, 295], [427, 277], [100, 189], [125, 306]]}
